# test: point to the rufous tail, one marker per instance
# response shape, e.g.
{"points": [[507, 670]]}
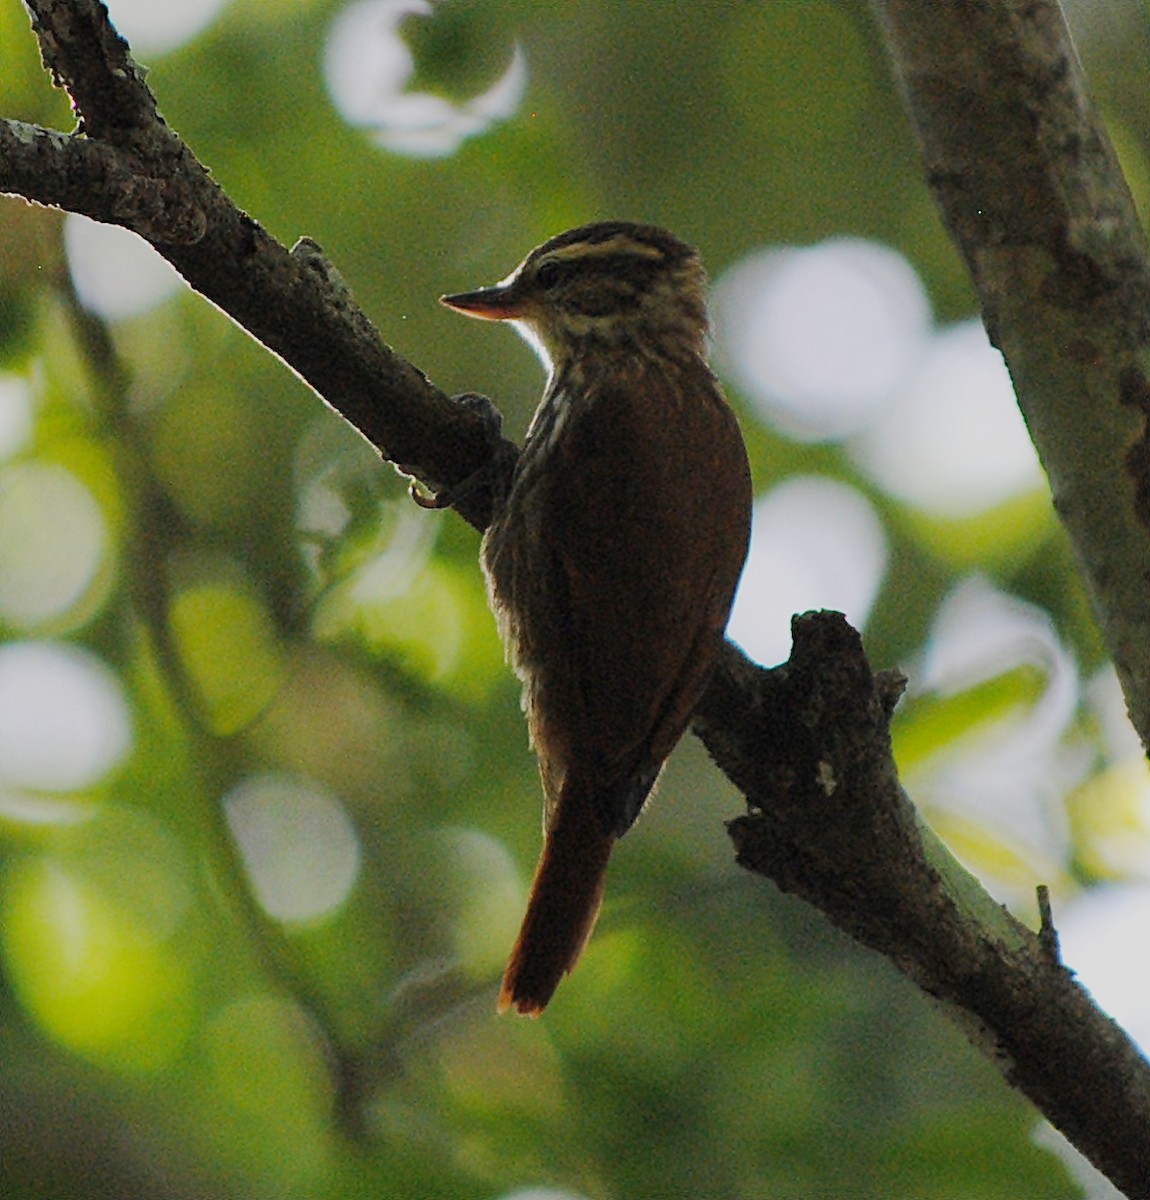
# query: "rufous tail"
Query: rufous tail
{"points": [[565, 898]]}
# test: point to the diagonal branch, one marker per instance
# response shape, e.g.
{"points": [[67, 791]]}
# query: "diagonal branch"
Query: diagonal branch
{"points": [[1030, 189], [809, 745], [293, 303]]}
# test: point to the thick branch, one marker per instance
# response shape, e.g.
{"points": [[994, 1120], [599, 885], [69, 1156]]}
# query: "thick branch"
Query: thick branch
{"points": [[293, 303], [808, 743], [93, 178], [1030, 189], [88, 58]]}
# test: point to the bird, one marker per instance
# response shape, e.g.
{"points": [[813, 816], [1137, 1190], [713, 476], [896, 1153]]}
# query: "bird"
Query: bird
{"points": [[612, 560]]}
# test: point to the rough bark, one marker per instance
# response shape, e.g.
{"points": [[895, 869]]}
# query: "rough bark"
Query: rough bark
{"points": [[808, 744], [125, 166], [1029, 186]]}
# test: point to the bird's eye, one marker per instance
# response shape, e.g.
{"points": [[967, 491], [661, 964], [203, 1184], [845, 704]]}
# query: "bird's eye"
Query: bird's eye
{"points": [[549, 274]]}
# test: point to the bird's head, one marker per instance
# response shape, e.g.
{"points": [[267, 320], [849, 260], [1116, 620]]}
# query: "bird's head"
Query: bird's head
{"points": [[611, 285]]}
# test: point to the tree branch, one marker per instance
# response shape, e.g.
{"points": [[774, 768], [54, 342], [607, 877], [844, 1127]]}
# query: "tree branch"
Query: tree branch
{"points": [[89, 59], [294, 304], [96, 179], [807, 742], [1030, 189]]}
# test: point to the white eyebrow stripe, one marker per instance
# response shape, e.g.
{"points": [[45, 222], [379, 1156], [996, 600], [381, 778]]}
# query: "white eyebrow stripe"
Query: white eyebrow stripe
{"points": [[618, 245]]}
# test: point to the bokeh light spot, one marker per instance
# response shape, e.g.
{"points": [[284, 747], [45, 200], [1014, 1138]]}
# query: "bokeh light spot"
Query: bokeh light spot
{"points": [[230, 649], [815, 543], [116, 273], [428, 615], [541, 1193], [33, 808], [93, 976], [15, 415], [818, 338], [257, 1038], [210, 452], [53, 540], [157, 26], [64, 720], [952, 442], [994, 774], [367, 66], [1096, 934], [298, 845], [134, 861], [478, 881], [272, 1085]]}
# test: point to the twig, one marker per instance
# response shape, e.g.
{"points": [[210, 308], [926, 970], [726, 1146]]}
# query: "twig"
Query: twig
{"points": [[1047, 934]]}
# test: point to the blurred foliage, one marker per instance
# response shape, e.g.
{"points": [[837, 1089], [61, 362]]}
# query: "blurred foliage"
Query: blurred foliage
{"points": [[271, 606]]}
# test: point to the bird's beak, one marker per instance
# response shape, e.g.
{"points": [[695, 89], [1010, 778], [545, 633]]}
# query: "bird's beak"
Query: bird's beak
{"points": [[498, 303]]}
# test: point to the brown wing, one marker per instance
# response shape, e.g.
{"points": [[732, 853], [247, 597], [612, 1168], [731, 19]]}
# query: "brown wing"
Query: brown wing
{"points": [[650, 517]]}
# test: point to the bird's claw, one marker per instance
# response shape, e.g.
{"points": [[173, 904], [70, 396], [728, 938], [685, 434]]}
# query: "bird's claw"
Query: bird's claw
{"points": [[482, 407], [428, 499]]}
